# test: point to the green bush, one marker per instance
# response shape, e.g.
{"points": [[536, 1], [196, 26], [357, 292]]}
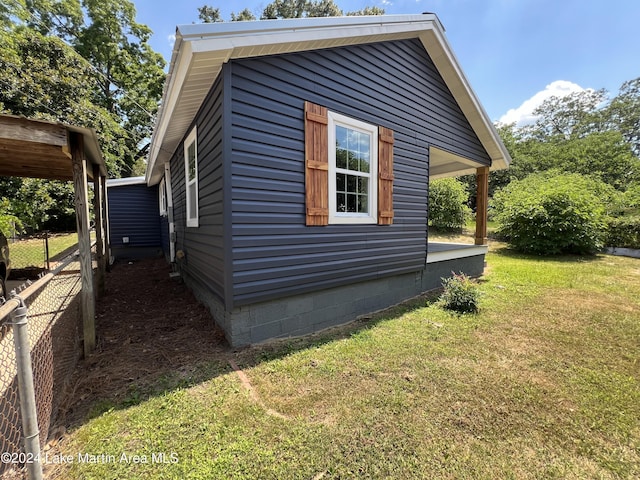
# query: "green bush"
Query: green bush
{"points": [[447, 204], [623, 232], [551, 213], [460, 294]]}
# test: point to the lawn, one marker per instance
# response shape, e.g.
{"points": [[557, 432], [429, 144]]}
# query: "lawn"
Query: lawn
{"points": [[543, 383], [31, 252]]}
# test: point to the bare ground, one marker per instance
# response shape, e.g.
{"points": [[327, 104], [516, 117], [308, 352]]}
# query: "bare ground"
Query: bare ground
{"points": [[148, 327]]}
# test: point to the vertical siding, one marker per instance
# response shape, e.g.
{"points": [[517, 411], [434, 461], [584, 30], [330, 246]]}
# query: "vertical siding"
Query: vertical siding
{"points": [[134, 212], [393, 84], [203, 246]]}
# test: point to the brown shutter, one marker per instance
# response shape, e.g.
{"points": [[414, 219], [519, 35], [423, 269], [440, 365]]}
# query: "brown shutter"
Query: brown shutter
{"points": [[316, 139], [385, 176]]}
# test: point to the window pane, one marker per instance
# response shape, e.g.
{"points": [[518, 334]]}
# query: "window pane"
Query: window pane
{"points": [[352, 203], [191, 153], [192, 201], [341, 202], [341, 158], [341, 138], [352, 183], [364, 163], [363, 206], [363, 185], [341, 182]]}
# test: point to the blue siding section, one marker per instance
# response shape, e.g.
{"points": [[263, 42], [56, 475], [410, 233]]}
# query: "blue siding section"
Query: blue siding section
{"points": [[203, 246], [254, 246], [134, 213], [392, 84]]}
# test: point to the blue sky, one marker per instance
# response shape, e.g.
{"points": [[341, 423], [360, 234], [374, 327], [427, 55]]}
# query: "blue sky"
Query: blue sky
{"points": [[514, 52]]}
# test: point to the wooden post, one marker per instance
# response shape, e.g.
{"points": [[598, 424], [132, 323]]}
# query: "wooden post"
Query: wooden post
{"points": [[99, 221], [87, 299], [482, 205]]}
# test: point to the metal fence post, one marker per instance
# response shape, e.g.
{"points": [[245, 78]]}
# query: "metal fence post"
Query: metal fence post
{"points": [[27, 391]]}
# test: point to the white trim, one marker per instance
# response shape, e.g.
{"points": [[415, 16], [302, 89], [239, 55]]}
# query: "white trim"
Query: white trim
{"points": [[463, 251], [192, 139], [336, 217], [162, 197], [170, 213], [119, 182]]}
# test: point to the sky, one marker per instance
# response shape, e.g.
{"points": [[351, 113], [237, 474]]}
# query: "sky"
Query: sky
{"points": [[515, 53]]}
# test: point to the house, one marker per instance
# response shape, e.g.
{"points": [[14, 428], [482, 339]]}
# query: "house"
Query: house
{"points": [[296, 156], [137, 219]]}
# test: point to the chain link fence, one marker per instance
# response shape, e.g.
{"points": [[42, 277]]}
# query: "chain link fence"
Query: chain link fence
{"points": [[55, 342], [38, 252]]}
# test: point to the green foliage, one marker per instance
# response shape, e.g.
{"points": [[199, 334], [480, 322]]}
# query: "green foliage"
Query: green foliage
{"points": [[460, 294], [447, 204], [552, 213], [623, 232], [311, 8], [9, 223]]}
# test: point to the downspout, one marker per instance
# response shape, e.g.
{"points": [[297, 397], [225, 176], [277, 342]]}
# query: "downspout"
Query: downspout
{"points": [[172, 227]]}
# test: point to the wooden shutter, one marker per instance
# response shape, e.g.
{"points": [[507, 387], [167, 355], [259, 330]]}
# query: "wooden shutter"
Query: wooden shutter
{"points": [[385, 176], [316, 138]]}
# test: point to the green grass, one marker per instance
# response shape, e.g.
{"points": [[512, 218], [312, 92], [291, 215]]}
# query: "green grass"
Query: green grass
{"points": [[31, 252], [543, 383]]}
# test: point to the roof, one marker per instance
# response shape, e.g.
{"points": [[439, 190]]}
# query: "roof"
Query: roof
{"points": [[200, 50], [121, 182], [42, 149]]}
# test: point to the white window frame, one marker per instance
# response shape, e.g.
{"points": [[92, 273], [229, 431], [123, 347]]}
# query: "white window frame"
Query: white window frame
{"points": [[192, 221], [348, 218], [162, 197]]}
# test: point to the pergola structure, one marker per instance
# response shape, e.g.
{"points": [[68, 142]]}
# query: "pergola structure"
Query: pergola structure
{"points": [[55, 151]]}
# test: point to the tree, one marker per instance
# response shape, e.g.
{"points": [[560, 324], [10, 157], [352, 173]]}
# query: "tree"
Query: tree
{"points": [[553, 212], [623, 113], [448, 204], [208, 14], [366, 11], [244, 16]]}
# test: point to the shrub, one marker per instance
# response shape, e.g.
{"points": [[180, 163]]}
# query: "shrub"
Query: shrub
{"points": [[551, 213], [447, 204], [460, 294], [623, 232]]}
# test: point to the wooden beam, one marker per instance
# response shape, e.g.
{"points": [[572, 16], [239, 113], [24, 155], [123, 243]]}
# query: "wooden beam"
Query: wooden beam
{"points": [[99, 221], [32, 131], [482, 204], [87, 298]]}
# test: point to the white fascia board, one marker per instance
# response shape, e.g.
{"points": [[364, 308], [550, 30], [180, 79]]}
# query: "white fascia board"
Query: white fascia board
{"points": [[120, 182], [455, 253], [260, 28], [178, 71], [447, 64]]}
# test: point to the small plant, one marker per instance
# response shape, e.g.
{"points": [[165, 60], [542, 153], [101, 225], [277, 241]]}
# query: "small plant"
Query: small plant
{"points": [[460, 294]]}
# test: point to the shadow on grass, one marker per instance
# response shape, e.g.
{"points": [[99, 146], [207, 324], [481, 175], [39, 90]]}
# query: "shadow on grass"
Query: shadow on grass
{"points": [[506, 251]]}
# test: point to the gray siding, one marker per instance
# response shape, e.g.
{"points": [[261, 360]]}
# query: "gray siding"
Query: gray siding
{"points": [[203, 246], [134, 213], [393, 84]]}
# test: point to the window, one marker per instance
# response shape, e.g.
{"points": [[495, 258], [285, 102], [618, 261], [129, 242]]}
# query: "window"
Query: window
{"points": [[353, 168], [162, 197], [191, 177], [348, 169]]}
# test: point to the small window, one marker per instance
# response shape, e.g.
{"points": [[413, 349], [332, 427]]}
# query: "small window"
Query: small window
{"points": [[191, 177], [353, 170], [162, 197]]}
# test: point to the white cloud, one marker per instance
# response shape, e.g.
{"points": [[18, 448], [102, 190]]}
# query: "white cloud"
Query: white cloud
{"points": [[523, 115], [171, 39]]}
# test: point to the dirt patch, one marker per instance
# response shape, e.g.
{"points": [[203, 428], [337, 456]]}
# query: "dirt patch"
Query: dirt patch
{"points": [[148, 327]]}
